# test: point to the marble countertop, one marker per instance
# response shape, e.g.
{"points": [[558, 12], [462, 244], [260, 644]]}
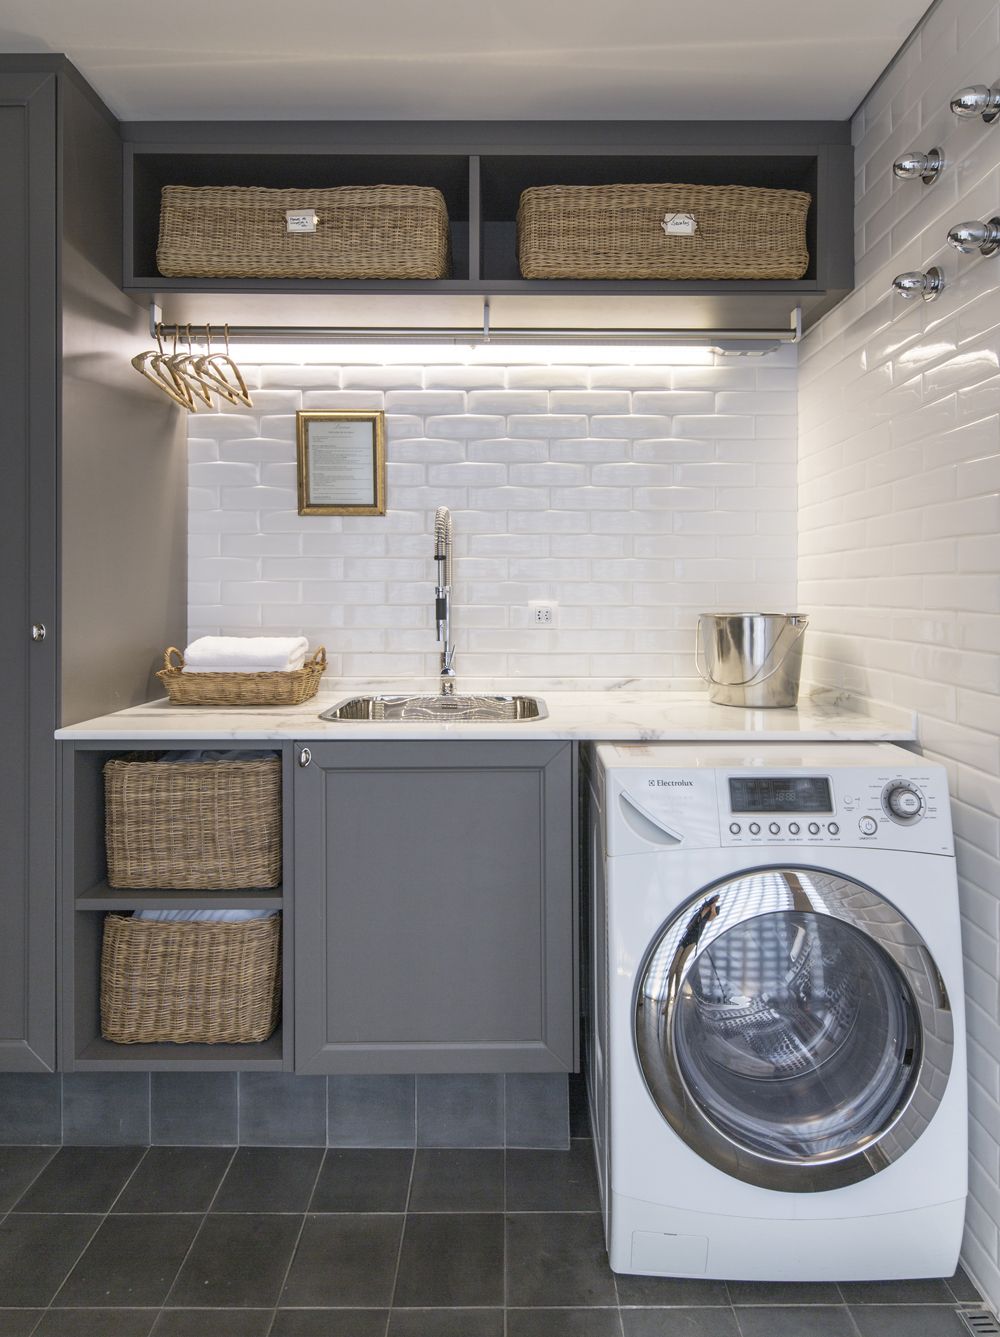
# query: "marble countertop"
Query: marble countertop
{"points": [[612, 715]]}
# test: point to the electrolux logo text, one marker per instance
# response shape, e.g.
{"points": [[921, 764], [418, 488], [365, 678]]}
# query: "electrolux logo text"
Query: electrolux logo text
{"points": [[667, 784]]}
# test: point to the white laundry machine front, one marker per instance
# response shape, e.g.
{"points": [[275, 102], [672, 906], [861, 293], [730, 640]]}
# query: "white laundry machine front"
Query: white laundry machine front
{"points": [[776, 1051]]}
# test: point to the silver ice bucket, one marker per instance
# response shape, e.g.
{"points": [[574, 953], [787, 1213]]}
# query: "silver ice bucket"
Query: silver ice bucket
{"points": [[750, 659]]}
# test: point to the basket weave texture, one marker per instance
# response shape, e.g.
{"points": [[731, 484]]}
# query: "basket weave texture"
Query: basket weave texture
{"points": [[363, 232], [192, 825], [240, 689], [616, 232], [190, 982]]}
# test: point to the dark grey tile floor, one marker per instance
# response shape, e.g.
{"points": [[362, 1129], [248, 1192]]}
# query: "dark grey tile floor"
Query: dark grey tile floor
{"points": [[298, 1242]]}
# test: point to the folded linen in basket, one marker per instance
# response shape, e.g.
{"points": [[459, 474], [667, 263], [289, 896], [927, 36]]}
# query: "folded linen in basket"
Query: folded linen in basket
{"points": [[246, 654], [216, 916]]}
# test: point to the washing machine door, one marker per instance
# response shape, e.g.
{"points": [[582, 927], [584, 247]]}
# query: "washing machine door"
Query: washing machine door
{"points": [[793, 1029]]}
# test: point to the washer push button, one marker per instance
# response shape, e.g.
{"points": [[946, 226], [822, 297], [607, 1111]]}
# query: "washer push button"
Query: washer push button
{"points": [[868, 826], [755, 828], [734, 828], [814, 828], [794, 828], [774, 829]]}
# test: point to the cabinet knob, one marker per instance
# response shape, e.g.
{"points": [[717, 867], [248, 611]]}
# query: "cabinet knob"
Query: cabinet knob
{"points": [[38, 631], [305, 757]]}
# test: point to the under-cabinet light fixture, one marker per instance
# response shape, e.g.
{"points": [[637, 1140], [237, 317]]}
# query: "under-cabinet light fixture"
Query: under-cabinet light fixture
{"points": [[915, 283], [976, 236], [977, 100], [926, 166]]}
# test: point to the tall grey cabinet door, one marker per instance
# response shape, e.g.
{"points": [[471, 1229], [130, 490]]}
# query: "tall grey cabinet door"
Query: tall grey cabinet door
{"points": [[435, 907], [28, 510]]}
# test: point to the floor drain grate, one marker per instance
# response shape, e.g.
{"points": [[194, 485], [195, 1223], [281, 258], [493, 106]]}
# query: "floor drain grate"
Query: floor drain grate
{"points": [[980, 1322]]}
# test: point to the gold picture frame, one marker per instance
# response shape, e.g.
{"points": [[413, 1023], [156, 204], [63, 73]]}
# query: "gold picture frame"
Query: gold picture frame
{"points": [[341, 462]]}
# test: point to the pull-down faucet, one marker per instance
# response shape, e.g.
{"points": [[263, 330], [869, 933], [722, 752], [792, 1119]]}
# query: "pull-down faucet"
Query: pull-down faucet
{"points": [[442, 597]]}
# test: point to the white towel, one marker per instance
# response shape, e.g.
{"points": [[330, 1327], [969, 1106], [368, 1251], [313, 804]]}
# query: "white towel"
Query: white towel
{"points": [[217, 916], [245, 654]]}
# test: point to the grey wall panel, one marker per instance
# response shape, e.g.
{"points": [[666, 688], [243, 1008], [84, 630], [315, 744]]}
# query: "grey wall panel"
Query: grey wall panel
{"points": [[124, 516]]}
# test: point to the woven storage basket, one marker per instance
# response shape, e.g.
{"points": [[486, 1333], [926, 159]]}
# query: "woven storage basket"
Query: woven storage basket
{"points": [[193, 824], [363, 232], [190, 982], [616, 232], [240, 689]]}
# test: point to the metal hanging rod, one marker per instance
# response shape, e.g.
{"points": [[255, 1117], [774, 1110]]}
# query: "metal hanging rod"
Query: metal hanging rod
{"points": [[739, 341]]}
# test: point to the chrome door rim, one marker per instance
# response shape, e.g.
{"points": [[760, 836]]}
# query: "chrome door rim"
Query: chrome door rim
{"points": [[693, 928]]}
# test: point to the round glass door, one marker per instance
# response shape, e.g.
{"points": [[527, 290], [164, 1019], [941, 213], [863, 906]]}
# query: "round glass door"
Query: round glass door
{"points": [[779, 1026]]}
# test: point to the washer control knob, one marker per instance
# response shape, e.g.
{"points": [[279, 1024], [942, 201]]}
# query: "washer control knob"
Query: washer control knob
{"points": [[904, 802], [774, 829], [734, 828], [833, 828], [755, 828], [814, 828], [868, 826], [793, 828]]}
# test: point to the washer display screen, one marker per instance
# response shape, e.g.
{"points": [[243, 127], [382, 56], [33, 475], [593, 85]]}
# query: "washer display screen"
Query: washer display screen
{"points": [[800, 793]]}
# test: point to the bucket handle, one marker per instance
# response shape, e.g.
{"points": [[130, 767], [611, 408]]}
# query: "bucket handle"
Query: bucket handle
{"points": [[756, 678]]}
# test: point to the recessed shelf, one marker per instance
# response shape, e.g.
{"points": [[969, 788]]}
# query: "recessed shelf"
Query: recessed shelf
{"points": [[103, 897], [100, 1055]]}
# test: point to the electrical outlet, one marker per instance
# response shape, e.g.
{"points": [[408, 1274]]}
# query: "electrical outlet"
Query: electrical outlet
{"points": [[543, 613]]}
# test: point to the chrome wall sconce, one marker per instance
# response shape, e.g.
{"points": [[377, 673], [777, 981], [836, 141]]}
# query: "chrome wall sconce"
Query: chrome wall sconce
{"points": [[976, 236], [926, 166], [914, 283], [977, 100]]}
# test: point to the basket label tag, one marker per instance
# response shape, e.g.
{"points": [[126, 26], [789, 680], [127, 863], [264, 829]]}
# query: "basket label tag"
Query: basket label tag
{"points": [[301, 220], [679, 225]]}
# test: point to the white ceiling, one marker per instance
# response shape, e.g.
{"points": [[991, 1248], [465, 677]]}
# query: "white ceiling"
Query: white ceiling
{"points": [[469, 59]]}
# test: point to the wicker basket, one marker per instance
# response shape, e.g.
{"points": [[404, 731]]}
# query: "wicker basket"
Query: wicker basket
{"points": [[619, 232], [190, 982], [362, 232], [240, 689], [193, 824]]}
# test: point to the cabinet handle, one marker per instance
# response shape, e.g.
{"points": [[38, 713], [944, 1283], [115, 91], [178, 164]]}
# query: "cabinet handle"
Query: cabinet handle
{"points": [[38, 631], [305, 757]]}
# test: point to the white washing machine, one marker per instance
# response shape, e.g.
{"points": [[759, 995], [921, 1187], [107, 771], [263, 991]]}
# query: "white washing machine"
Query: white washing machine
{"points": [[776, 1043]]}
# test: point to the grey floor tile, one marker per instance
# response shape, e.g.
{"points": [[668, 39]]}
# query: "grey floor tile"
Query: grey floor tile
{"points": [[280, 1109], [563, 1323], [795, 1321], [361, 1179], [329, 1323], [451, 1260], [907, 1321], [687, 1292], [536, 1110], [212, 1323], [236, 1262], [372, 1111], [96, 1323], [459, 1110], [459, 1179], [132, 1260], [446, 1323], [963, 1287], [557, 1259], [106, 1108], [19, 1167], [553, 1181], [919, 1291], [18, 1322], [783, 1293], [31, 1107], [702, 1322], [193, 1109], [37, 1253], [81, 1179], [269, 1179], [175, 1179], [344, 1260]]}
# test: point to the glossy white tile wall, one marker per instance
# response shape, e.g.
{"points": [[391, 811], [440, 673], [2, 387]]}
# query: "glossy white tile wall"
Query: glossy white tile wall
{"points": [[899, 554], [633, 495]]}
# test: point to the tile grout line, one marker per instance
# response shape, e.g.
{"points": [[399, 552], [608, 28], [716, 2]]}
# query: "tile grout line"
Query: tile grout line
{"points": [[197, 1233], [295, 1246], [505, 1251], [402, 1236]]}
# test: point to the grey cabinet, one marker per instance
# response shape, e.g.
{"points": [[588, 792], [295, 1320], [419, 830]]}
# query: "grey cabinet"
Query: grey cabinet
{"points": [[435, 907]]}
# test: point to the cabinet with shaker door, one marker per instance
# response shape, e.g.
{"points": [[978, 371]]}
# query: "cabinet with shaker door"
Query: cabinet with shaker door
{"points": [[436, 907]]}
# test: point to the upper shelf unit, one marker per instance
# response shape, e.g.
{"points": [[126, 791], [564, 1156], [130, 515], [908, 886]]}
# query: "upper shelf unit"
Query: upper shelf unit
{"points": [[481, 168]]}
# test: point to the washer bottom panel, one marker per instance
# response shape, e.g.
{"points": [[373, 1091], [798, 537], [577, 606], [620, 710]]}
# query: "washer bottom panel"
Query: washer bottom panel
{"points": [[653, 1240]]}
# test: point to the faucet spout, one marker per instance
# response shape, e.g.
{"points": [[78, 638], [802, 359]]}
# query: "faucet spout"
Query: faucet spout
{"points": [[442, 596]]}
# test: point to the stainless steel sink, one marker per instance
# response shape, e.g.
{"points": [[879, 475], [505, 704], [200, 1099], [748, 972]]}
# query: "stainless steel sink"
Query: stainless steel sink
{"points": [[472, 708]]}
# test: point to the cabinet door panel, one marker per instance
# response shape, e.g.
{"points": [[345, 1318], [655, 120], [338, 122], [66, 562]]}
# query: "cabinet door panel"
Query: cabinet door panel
{"points": [[434, 889]]}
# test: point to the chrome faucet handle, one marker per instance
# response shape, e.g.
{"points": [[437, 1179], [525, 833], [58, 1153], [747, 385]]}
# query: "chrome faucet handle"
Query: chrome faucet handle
{"points": [[915, 282], [976, 236], [977, 100]]}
